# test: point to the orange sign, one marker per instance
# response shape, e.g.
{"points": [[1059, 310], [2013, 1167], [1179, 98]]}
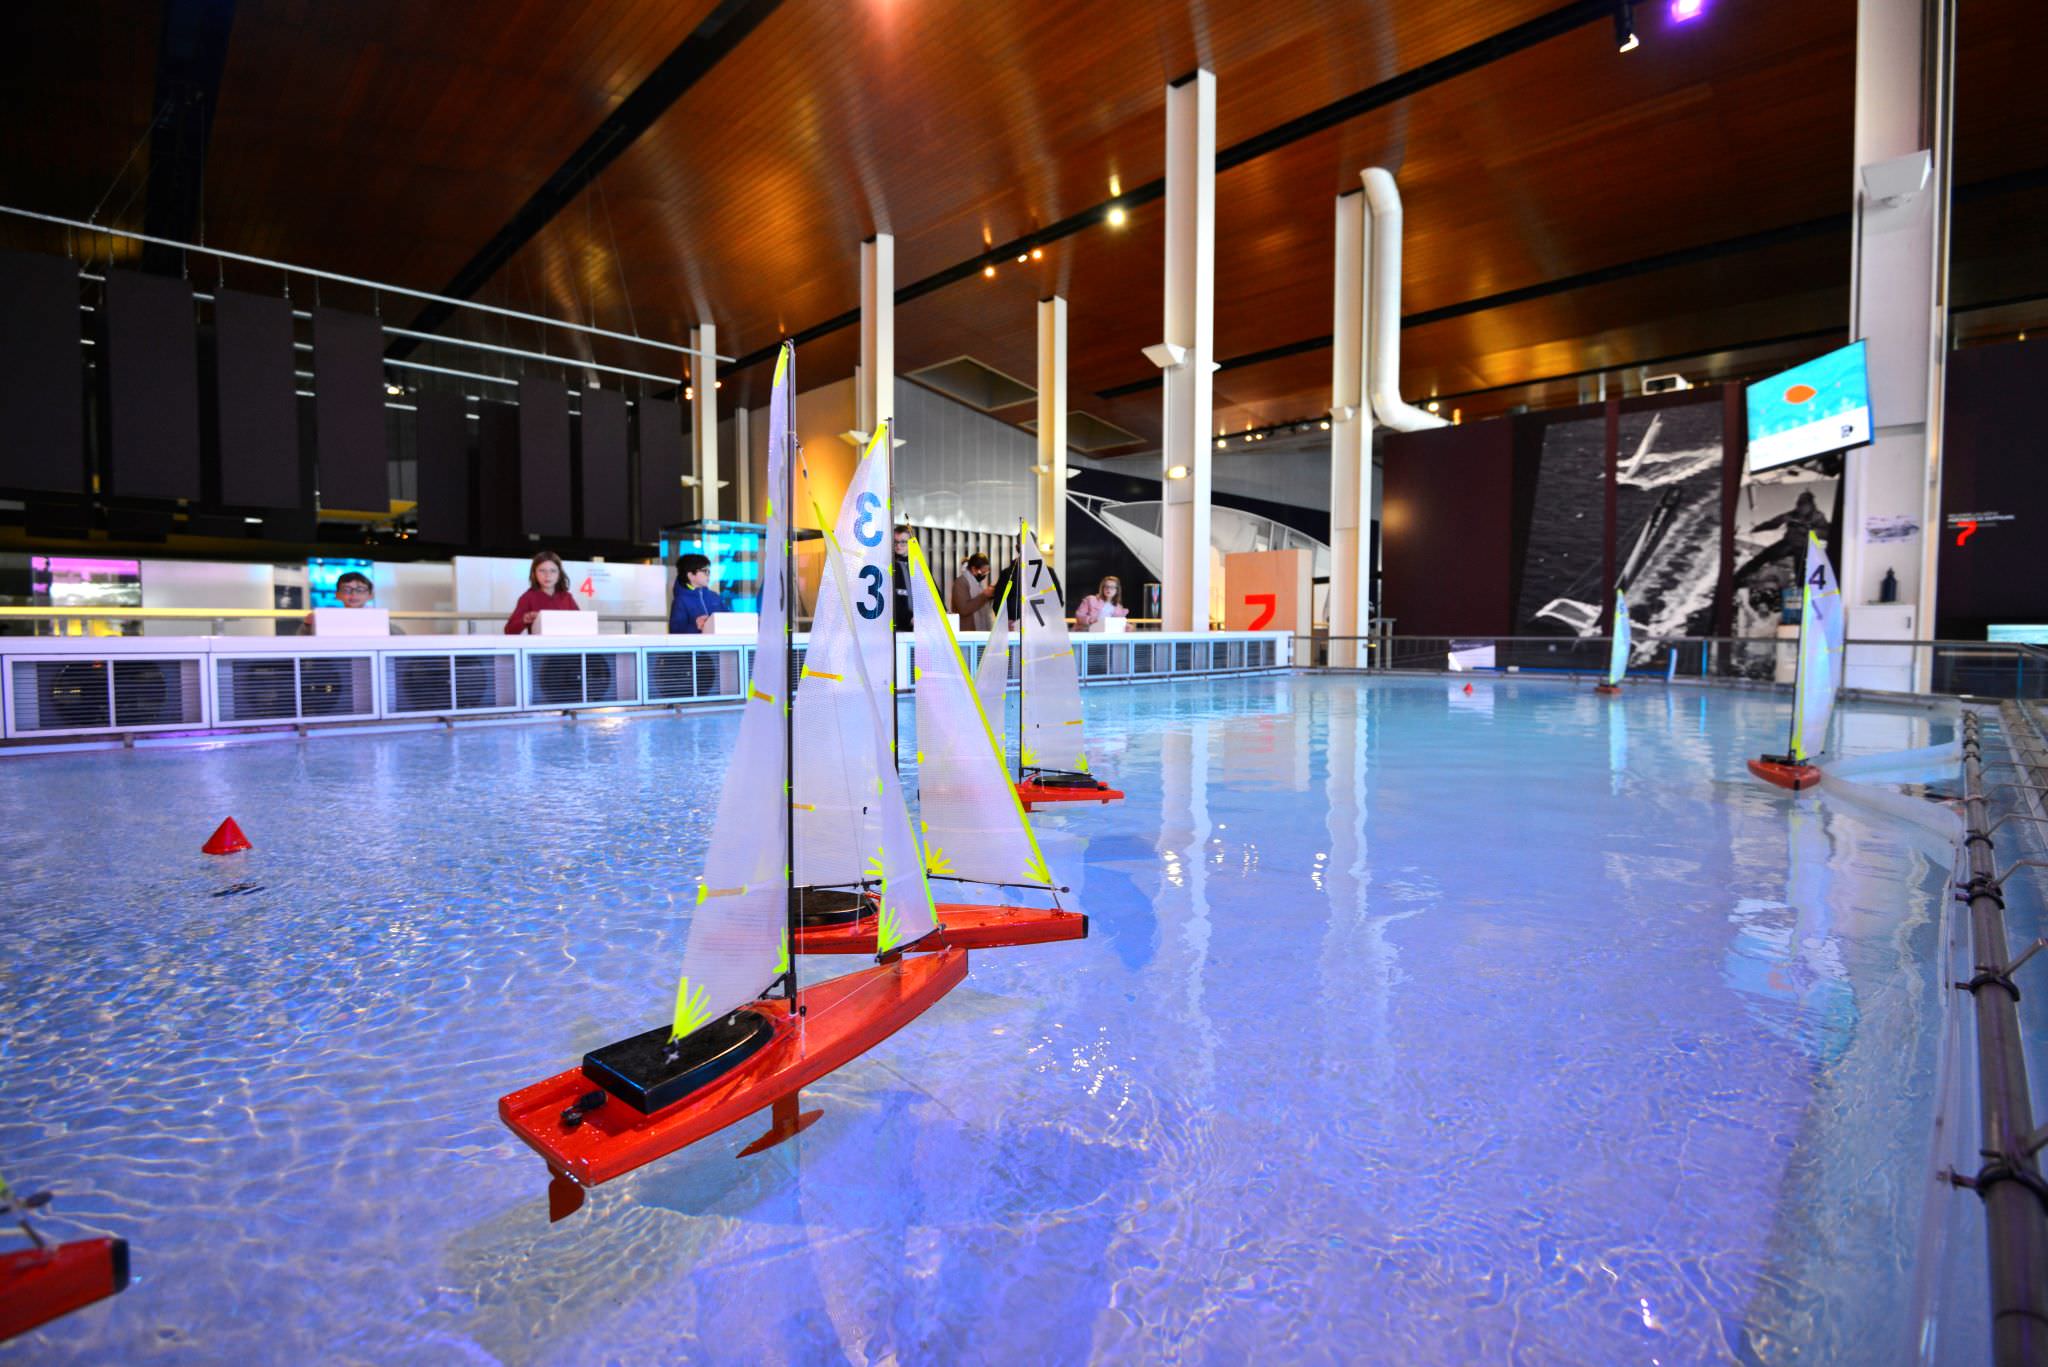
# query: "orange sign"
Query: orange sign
{"points": [[1267, 591]]}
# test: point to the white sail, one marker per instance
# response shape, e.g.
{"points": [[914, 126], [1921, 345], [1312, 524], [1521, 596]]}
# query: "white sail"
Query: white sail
{"points": [[1617, 664], [974, 826], [892, 858], [992, 675], [1821, 633], [739, 934], [1053, 738], [836, 768]]}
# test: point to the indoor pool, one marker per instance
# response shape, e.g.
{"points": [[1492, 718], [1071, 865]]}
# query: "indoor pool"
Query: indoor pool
{"points": [[1416, 1026]]}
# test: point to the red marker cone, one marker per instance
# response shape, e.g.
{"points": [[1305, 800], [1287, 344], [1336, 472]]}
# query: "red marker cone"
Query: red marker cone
{"points": [[227, 838], [1468, 689]]}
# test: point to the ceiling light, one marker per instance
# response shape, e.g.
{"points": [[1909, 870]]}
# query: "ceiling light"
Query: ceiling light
{"points": [[1117, 216], [989, 271], [1625, 39], [1325, 424], [1431, 405], [1683, 10], [1116, 187], [1222, 442], [1038, 253], [718, 384], [394, 389], [1177, 472], [689, 393]]}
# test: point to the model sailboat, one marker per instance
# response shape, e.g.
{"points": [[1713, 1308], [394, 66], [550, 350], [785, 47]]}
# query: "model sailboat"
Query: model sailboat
{"points": [[744, 1036], [1052, 747], [1817, 677], [1617, 661], [45, 1280], [973, 825]]}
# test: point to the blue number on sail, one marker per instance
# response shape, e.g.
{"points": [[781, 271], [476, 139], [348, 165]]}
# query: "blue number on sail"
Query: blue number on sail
{"points": [[865, 529], [871, 579]]}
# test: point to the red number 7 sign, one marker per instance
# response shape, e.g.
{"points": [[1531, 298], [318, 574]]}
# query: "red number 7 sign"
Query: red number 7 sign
{"points": [[1269, 601]]}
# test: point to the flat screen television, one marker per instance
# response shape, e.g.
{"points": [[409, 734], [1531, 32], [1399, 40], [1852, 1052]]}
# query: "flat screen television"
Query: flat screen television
{"points": [[321, 574], [1813, 409]]}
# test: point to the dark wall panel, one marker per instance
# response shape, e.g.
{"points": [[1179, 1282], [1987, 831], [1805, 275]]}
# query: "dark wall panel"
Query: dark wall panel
{"points": [[497, 463], [601, 439], [658, 433], [544, 483], [1446, 512], [1994, 466], [42, 375], [255, 411], [150, 351], [441, 438], [348, 411]]}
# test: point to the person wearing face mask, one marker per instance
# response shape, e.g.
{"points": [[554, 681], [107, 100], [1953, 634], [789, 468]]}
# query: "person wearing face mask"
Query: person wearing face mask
{"points": [[971, 595], [547, 591]]}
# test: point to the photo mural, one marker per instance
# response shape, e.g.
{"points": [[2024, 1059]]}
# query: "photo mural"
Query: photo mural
{"points": [[1667, 550], [1774, 511], [1565, 560]]}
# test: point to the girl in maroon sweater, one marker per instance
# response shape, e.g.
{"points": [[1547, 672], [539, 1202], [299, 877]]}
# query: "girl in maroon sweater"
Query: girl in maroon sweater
{"points": [[549, 592]]}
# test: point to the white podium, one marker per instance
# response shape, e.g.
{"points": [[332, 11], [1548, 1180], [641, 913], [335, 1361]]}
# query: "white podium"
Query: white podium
{"points": [[351, 622], [564, 622], [735, 623]]}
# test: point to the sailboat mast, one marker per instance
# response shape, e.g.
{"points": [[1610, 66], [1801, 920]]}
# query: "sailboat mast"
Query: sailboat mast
{"points": [[888, 454], [789, 909], [1798, 660], [1023, 654]]}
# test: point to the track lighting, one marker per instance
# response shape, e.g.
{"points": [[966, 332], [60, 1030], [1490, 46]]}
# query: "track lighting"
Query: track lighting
{"points": [[988, 272], [1625, 39], [1117, 216]]}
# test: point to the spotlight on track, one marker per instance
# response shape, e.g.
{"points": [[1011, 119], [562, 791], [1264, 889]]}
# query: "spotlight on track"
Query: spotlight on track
{"points": [[988, 272], [1684, 11], [1117, 216], [1625, 39]]}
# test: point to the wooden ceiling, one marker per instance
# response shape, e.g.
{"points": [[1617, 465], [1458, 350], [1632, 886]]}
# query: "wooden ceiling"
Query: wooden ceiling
{"points": [[395, 141]]}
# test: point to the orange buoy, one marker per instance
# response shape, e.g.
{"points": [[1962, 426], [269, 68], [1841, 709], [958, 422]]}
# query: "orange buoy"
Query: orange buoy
{"points": [[1606, 688], [227, 838], [1468, 688]]}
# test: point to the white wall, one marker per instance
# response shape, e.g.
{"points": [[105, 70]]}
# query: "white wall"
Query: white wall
{"points": [[206, 584], [492, 584]]}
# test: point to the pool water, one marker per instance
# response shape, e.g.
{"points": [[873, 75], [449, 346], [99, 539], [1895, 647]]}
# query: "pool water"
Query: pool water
{"points": [[1415, 1026]]}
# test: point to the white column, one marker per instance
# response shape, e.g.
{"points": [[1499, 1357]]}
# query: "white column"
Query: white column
{"points": [[743, 463], [1052, 434], [1898, 303], [704, 417], [875, 387], [1350, 441], [1189, 344]]}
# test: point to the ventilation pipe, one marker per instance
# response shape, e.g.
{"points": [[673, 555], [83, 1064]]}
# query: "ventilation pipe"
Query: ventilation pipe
{"points": [[1383, 307]]}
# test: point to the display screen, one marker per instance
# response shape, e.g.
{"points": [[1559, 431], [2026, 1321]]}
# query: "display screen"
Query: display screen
{"points": [[321, 574], [1810, 410], [63, 581], [734, 549]]}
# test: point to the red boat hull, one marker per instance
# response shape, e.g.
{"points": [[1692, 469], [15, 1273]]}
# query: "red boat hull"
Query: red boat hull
{"points": [[1795, 777], [840, 1020], [39, 1284], [960, 927], [1037, 795], [1607, 688]]}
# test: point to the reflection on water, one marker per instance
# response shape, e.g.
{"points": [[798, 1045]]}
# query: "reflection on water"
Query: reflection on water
{"points": [[1414, 1025]]}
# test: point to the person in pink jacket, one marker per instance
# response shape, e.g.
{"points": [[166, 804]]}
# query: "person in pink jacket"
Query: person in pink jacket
{"points": [[1106, 601]]}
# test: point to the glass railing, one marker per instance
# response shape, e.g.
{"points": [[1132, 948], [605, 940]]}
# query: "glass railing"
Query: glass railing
{"points": [[1983, 669]]}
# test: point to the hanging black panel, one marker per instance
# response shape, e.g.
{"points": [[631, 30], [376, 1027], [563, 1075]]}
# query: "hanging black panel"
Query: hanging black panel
{"points": [[659, 432], [255, 413], [442, 441], [42, 375], [544, 484], [497, 460], [150, 354], [602, 435], [348, 411]]}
